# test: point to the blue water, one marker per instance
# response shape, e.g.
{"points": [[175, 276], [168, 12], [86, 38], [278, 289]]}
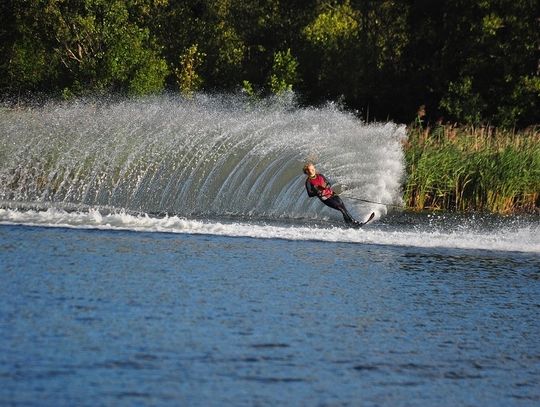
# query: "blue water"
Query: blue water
{"points": [[94, 317]]}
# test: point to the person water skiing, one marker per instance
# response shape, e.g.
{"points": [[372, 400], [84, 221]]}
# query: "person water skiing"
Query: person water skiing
{"points": [[317, 185]]}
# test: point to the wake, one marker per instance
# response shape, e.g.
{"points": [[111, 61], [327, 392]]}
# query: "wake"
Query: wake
{"points": [[519, 238]]}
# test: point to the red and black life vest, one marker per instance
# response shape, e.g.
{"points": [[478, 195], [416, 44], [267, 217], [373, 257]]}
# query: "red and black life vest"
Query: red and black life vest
{"points": [[319, 186]]}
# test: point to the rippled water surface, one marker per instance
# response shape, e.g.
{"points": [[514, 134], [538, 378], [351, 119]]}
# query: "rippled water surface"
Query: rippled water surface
{"points": [[94, 317]]}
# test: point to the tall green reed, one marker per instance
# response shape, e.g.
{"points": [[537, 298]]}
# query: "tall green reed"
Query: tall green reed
{"points": [[473, 169]]}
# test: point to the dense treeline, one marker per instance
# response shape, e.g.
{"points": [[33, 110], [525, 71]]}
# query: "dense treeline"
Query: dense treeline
{"points": [[466, 61]]}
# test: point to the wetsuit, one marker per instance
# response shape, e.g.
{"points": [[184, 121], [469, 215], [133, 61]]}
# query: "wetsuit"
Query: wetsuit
{"points": [[320, 187]]}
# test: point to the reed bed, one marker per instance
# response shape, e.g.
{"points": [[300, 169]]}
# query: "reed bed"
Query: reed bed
{"points": [[473, 169]]}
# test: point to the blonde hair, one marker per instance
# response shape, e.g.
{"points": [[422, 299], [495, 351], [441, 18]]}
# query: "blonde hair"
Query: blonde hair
{"points": [[306, 165]]}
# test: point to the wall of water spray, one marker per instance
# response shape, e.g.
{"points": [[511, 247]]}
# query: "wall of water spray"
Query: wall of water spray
{"points": [[206, 156]]}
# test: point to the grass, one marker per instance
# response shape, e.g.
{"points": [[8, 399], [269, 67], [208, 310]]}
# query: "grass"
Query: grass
{"points": [[473, 169]]}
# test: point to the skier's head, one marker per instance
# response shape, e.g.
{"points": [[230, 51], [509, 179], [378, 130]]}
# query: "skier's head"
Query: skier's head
{"points": [[309, 169]]}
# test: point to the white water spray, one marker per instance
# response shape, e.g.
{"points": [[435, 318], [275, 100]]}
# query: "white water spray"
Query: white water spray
{"points": [[209, 156]]}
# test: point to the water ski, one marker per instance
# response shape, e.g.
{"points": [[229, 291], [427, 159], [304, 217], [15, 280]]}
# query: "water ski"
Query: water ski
{"points": [[358, 225]]}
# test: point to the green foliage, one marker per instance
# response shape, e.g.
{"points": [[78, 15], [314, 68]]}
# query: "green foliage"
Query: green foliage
{"points": [[473, 169], [247, 88], [472, 62], [149, 76], [462, 103], [489, 43], [284, 73], [491, 23], [88, 45], [128, 55], [28, 64], [523, 99], [334, 25], [231, 50], [354, 48], [188, 79]]}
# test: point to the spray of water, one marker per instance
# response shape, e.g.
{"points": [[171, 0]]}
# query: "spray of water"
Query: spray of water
{"points": [[222, 166], [207, 156]]}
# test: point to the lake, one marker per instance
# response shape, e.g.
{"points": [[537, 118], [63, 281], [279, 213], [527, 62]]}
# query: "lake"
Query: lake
{"points": [[163, 251], [107, 313]]}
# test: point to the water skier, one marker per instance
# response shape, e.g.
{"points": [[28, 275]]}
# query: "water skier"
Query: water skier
{"points": [[317, 185]]}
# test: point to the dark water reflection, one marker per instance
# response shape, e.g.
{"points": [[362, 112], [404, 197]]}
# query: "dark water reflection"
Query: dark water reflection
{"points": [[120, 318]]}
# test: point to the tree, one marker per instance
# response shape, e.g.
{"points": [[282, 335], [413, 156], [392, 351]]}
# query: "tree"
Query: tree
{"points": [[284, 74], [484, 50], [356, 49], [465, 61], [80, 46], [187, 76]]}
